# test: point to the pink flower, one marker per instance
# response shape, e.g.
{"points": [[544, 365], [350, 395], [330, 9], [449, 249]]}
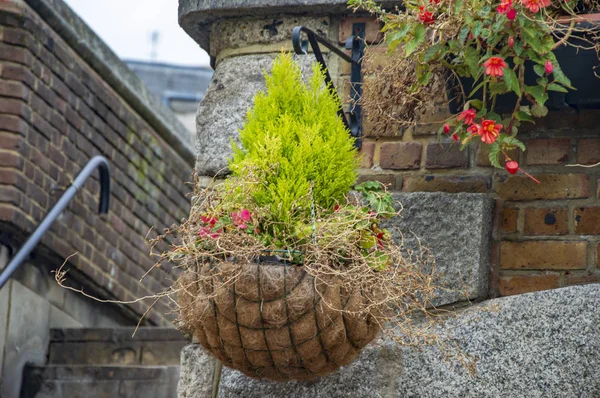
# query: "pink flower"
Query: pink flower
{"points": [[474, 128], [504, 6], [494, 66], [455, 137], [511, 42], [489, 131], [446, 128], [535, 5], [548, 67], [241, 217], [209, 220], [206, 232], [467, 116], [511, 14]]}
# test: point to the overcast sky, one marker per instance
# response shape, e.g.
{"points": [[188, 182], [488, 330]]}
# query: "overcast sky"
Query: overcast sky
{"points": [[127, 26]]}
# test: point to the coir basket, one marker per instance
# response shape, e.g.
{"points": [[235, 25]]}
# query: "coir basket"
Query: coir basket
{"points": [[273, 320]]}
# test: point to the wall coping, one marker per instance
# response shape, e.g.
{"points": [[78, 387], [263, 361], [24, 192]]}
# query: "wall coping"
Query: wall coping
{"points": [[196, 16], [82, 39]]}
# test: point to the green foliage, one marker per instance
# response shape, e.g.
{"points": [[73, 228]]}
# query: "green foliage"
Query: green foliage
{"points": [[295, 144]]}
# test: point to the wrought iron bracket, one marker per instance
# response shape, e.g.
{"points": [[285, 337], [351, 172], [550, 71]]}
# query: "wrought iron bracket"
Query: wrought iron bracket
{"points": [[355, 43]]}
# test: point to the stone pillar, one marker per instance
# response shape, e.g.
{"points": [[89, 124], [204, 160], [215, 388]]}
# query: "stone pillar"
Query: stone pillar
{"points": [[242, 38]]}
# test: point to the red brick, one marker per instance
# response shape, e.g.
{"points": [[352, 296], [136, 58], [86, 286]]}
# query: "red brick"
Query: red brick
{"points": [[18, 73], [14, 54], [450, 184], [509, 219], [400, 155], [543, 255], [583, 278], [9, 106], [373, 28], [587, 220], [548, 151], [510, 285], [546, 221], [367, 152], [11, 142], [588, 151], [13, 89], [552, 186], [443, 156]]}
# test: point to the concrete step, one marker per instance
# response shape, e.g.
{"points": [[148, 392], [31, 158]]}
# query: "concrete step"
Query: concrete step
{"points": [[115, 346], [79, 381]]}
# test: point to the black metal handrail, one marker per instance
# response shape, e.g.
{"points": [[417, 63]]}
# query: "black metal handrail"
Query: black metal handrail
{"points": [[355, 43], [97, 162]]}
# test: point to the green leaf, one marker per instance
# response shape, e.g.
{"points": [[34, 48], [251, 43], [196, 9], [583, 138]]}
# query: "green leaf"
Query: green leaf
{"points": [[433, 51], [418, 38], [477, 27], [475, 103], [511, 142], [472, 57], [518, 60], [494, 155], [539, 110], [539, 70], [462, 36], [485, 33], [557, 87], [497, 87], [511, 80], [538, 93], [494, 116], [524, 117]]}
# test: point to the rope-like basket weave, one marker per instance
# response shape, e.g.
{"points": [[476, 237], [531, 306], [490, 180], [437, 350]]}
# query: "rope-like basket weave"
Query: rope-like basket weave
{"points": [[274, 320]]}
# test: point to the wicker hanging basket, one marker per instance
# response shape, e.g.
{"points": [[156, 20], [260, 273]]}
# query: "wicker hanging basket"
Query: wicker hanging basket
{"points": [[274, 321]]}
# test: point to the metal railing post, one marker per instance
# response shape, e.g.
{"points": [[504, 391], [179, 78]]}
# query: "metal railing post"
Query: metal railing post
{"points": [[96, 162]]}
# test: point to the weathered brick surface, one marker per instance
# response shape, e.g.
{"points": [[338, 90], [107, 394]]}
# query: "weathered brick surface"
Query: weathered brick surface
{"points": [[552, 186], [400, 155], [546, 221], [444, 156], [367, 152], [509, 219], [548, 151], [55, 114], [510, 285], [450, 184], [588, 151], [587, 220], [372, 33], [541, 255]]}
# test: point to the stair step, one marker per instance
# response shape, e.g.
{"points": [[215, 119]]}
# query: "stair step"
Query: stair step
{"points": [[61, 381], [115, 346]]}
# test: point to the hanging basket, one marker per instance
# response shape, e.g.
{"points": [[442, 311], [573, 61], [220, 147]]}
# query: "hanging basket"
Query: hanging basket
{"points": [[273, 320]]}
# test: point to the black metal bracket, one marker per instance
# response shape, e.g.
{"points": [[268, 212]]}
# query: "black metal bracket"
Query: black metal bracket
{"points": [[356, 43], [97, 162]]}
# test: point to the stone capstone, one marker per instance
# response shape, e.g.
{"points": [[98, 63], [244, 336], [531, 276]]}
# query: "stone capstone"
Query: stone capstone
{"points": [[196, 373], [456, 231], [542, 344]]}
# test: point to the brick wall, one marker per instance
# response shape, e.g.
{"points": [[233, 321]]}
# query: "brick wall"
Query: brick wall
{"points": [[545, 236], [56, 113]]}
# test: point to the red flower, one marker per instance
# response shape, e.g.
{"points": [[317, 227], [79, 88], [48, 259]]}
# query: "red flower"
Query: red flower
{"points": [[489, 131], [504, 7], [512, 167], [240, 218], [511, 14], [336, 207], [548, 67], [467, 116], [209, 220], [426, 16], [494, 66], [455, 137], [535, 5], [446, 128], [511, 42], [474, 128]]}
